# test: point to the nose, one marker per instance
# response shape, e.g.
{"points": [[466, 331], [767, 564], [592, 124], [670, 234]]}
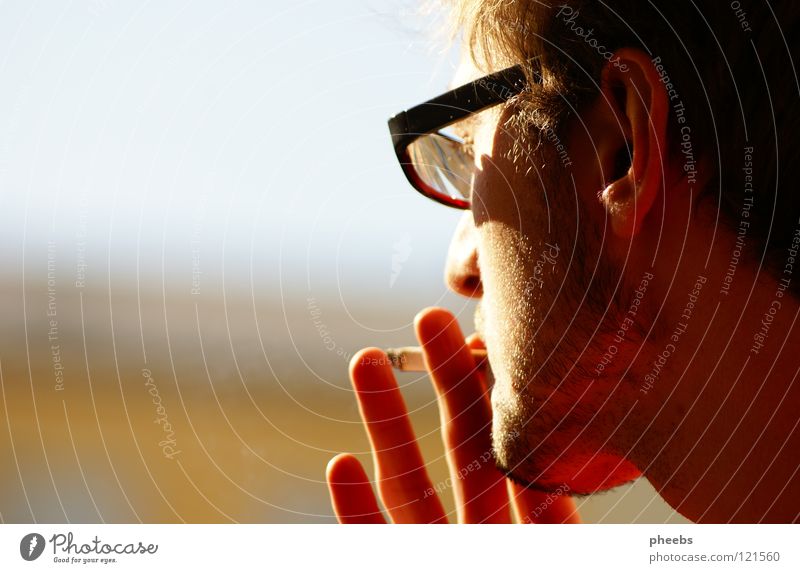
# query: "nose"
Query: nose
{"points": [[462, 272]]}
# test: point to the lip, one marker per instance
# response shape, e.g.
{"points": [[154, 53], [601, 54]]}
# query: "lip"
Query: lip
{"points": [[475, 341]]}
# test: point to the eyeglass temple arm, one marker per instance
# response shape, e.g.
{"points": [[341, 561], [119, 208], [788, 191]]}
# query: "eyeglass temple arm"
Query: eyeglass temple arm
{"points": [[454, 105]]}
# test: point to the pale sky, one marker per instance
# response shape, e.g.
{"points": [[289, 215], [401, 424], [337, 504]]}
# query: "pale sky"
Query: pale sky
{"points": [[252, 134]]}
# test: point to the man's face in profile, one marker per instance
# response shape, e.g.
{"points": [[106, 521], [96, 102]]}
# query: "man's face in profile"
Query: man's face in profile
{"points": [[623, 250], [530, 248]]}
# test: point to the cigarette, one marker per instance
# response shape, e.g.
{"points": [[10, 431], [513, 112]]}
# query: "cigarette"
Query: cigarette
{"points": [[409, 358]]}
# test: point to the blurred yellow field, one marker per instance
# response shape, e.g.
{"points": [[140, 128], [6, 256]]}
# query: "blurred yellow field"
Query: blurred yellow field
{"points": [[194, 434]]}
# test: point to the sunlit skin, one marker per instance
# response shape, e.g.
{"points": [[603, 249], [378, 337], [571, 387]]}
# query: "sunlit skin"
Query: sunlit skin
{"points": [[483, 494], [556, 254]]}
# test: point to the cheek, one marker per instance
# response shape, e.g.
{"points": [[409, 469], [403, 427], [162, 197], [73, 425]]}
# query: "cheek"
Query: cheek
{"points": [[520, 286], [503, 194], [528, 191], [532, 255]]}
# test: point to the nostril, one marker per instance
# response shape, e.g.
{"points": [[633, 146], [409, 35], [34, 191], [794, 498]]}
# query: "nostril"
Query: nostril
{"points": [[471, 285]]}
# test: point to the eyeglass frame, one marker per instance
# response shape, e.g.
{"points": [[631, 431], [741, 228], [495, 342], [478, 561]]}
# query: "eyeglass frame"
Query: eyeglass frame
{"points": [[446, 109]]}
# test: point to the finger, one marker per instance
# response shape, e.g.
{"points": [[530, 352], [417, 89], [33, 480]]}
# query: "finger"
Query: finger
{"points": [[351, 493], [465, 410], [403, 483], [531, 506]]}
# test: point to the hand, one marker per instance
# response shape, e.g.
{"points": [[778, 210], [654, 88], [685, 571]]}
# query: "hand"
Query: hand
{"points": [[482, 493]]}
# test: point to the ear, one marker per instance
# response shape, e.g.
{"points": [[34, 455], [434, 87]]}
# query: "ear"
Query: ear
{"points": [[633, 154]]}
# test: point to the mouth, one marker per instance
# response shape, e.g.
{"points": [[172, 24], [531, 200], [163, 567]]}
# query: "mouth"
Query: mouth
{"points": [[475, 342]]}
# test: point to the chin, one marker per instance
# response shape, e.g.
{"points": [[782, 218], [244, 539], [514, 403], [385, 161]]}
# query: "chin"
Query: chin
{"points": [[550, 453]]}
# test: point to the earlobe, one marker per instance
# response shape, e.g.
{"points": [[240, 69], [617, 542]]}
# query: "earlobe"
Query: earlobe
{"points": [[639, 102], [620, 200]]}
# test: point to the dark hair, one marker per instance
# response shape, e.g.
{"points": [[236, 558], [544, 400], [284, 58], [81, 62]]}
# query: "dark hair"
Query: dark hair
{"points": [[731, 64]]}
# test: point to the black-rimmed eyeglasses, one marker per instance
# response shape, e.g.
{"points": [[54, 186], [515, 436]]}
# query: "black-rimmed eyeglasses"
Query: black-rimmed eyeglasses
{"points": [[440, 165]]}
